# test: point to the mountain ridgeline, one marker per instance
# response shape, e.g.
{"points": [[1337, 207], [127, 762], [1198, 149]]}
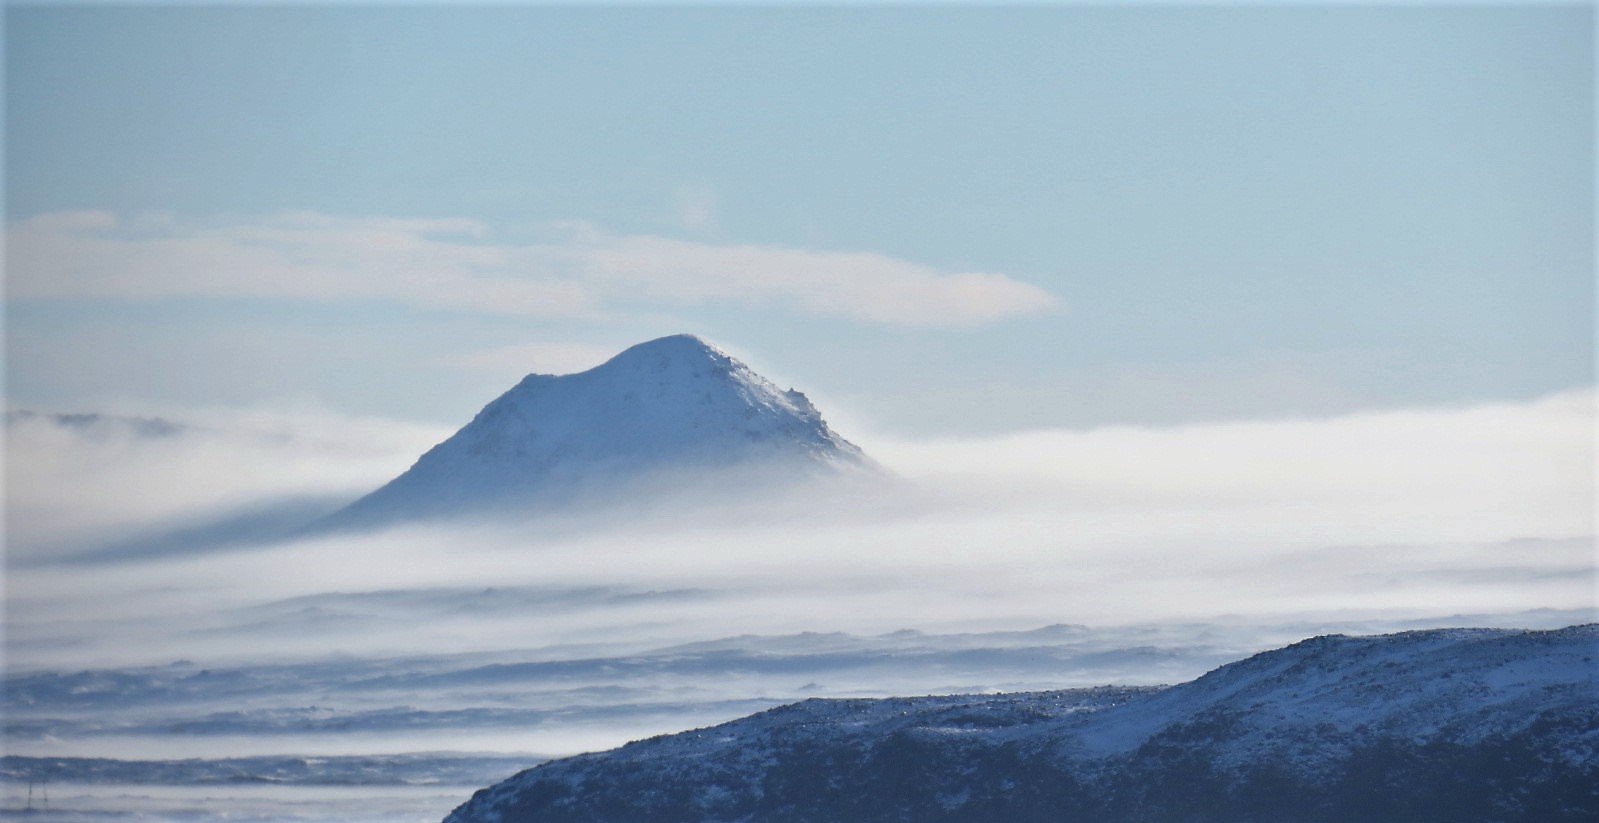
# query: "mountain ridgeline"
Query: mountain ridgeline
{"points": [[1454, 725], [667, 413]]}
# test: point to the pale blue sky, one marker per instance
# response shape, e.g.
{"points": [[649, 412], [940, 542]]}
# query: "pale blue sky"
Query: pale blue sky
{"points": [[1222, 212]]}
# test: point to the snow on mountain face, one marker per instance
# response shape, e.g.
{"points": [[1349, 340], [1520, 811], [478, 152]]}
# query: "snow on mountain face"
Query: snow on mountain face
{"points": [[674, 404], [1449, 725]]}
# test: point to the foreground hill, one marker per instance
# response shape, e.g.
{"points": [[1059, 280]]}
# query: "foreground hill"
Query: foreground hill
{"points": [[665, 412], [1446, 725]]}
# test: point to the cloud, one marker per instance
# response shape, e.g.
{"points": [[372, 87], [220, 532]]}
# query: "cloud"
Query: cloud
{"points": [[1493, 471], [72, 483], [545, 358], [452, 264], [696, 207], [871, 288], [1172, 548], [433, 263], [1427, 511]]}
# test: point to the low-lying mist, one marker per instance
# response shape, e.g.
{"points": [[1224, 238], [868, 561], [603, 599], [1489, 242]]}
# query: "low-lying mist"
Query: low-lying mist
{"points": [[1170, 551], [1427, 512]]}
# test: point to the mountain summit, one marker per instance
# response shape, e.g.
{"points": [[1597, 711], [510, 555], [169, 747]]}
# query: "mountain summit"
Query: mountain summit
{"points": [[672, 408]]}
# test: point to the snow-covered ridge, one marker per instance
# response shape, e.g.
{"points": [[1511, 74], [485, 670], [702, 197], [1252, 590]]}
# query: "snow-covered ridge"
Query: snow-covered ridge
{"points": [[674, 405], [1456, 725]]}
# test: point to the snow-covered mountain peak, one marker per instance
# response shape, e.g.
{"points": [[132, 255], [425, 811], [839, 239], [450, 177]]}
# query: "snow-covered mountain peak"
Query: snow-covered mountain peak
{"points": [[672, 350], [672, 405]]}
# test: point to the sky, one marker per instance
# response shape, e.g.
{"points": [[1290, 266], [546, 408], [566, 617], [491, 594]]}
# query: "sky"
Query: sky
{"points": [[938, 221], [1199, 330]]}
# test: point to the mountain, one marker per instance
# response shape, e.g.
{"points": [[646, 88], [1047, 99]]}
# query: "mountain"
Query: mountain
{"points": [[669, 411], [1442, 725]]}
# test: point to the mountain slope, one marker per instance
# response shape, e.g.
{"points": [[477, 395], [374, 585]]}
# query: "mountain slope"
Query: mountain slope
{"points": [[676, 406], [1449, 725]]}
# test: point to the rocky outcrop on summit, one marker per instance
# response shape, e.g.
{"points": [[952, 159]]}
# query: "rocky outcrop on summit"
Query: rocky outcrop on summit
{"points": [[674, 406], [1448, 725]]}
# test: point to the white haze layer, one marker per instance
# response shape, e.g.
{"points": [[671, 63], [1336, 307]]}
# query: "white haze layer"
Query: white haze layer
{"points": [[80, 484], [1436, 510], [1248, 534]]}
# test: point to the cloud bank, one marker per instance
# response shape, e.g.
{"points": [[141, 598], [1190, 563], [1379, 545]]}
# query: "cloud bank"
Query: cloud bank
{"points": [[454, 264], [1490, 471], [75, 481], [1430, 511], [1164, 550]]}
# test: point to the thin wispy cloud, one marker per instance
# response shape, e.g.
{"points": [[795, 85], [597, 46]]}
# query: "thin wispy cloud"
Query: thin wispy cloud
{"points": [[696, 208], [545, 358], [305, 256], [861, 286], [455, 264]]}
